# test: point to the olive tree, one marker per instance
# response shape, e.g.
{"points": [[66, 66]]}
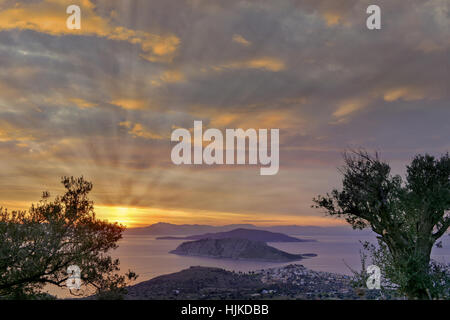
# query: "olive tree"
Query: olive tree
{"points": [[37, 246], [408, 215]]}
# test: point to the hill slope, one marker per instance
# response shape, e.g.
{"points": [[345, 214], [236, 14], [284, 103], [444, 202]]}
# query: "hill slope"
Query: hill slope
{"points": [[241, 233], [232, 248], [287, 282], [194, 282]]}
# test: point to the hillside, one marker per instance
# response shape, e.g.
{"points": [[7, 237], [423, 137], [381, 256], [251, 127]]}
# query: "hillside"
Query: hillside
{"points": [[195, 282], [287, 282], [241, 233], [232, 248]]}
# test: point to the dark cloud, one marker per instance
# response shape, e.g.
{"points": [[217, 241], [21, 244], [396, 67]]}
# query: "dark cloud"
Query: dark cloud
{"points": [[69, 103]]}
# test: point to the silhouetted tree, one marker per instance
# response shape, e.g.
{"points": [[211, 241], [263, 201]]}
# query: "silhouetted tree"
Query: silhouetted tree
{"points": [[408, 216], [37, 246]]}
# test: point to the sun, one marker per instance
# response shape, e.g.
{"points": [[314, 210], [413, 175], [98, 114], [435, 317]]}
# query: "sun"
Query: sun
{"points": [[122, 215]]}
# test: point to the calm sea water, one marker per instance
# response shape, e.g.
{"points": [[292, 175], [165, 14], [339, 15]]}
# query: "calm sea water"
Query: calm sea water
{"points": [[150, 258]]}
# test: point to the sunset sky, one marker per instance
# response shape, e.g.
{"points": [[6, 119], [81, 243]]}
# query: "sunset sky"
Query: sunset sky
{"points": [[103, 101]]}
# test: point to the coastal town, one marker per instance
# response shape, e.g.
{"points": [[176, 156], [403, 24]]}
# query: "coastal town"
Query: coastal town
{"points": [[293, 281], [298, 282]]}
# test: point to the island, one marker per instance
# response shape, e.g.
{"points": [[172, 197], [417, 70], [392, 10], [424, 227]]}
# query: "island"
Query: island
{"points": [[236, 249], [242, 233]]}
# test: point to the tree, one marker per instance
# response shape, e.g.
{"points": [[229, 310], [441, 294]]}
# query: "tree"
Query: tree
{"points": [[37, 246], [408, 216]]}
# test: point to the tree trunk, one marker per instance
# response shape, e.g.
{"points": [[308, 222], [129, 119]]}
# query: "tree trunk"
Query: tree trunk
{"points": [[417, 270]]}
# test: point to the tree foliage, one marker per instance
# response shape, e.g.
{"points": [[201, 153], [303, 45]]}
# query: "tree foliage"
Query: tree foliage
{"points": [[408, 215], [37, 246]]}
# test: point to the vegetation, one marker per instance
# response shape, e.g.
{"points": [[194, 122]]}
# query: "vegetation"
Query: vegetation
{"points": [[37, 246], [408, 216]]}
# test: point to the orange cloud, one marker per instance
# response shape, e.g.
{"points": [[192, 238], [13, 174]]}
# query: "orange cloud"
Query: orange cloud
{"points": [[404, 93], [264, 63], [169, 76], [83, 104], [241, 40], [223, 120], [261, 120], [172, 76], [349, 106], [131, 104], [49, 16], [137, 130], [11, 133], [332, 18]]}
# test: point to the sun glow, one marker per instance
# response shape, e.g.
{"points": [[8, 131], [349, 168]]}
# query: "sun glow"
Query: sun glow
{"points": [[143, 216], [128, 217]]}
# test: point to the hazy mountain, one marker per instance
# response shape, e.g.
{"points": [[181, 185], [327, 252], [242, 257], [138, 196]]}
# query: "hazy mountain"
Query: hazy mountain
{"points": [[162, 228], [241, 233], [168, 229], [232, 248]]}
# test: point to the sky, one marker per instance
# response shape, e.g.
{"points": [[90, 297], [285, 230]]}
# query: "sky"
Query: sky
{"points": [[103, 101]]}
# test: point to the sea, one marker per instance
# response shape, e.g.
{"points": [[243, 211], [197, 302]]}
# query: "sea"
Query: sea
{"points": [[149, 257]]}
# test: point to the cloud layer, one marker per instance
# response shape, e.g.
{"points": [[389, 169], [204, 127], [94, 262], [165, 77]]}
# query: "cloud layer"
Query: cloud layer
{"points": [[102, 101]]}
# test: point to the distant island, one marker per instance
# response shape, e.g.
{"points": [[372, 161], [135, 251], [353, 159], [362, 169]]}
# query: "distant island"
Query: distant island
{"points": [[241, 233], [237, 249], [169, 229]]}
